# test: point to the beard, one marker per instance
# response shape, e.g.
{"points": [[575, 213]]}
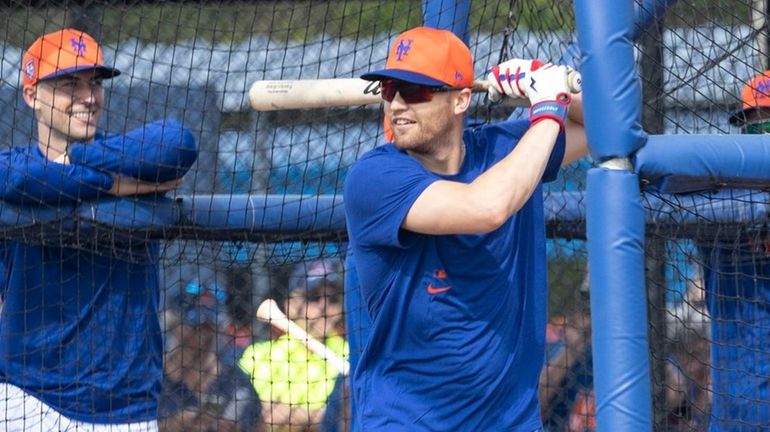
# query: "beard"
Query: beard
{"points": [[427, 137]]}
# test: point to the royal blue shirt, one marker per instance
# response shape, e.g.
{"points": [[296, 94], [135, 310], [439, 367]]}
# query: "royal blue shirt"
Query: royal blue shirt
{"points": [[458, 321], [737, 280], [80, 330]]}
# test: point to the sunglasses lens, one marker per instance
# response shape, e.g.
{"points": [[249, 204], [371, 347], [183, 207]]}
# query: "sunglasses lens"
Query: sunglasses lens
{"points": [[411, 93], [757, 128], [388, 91]]}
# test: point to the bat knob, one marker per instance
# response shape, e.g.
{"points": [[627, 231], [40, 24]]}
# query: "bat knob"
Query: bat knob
{"points": [[575, 82], [268, 310]]}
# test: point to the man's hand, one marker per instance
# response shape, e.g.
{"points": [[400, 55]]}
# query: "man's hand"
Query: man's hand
{"points": [[127, 186], [547, 83], [508, 78], [548, 91]]}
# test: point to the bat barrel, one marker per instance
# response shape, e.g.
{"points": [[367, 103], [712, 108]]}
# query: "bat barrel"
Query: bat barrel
{"points": [[339, 92]]}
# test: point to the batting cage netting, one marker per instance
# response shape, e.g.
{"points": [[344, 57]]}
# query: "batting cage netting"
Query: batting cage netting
{"points": [[121, 305]]}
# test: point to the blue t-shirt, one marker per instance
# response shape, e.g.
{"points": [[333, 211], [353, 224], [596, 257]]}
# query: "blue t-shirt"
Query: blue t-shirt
{"points": [[80, 330], [458, 321], [738, 294]]}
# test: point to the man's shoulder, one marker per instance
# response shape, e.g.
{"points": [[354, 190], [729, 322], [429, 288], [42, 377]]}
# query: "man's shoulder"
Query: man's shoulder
{"points": [[29, 149], [387, 150], [380, 160]]}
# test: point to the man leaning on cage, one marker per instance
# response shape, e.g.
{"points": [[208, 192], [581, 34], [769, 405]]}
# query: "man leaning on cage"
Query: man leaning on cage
{"points": [[80, 340], [737, 281]]}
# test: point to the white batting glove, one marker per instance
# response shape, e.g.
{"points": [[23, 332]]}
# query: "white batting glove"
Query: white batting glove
{"points": [[549, 93], [508, 78]]}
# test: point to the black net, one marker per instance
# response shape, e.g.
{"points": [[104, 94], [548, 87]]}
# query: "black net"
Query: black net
{"points": [[259, 216]]}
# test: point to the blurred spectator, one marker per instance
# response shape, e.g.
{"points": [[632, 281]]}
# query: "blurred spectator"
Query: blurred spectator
{"points": [[688, 333], [200, 393], [299, 389], [566, 383]]}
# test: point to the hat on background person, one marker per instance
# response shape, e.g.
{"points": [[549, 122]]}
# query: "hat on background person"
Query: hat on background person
{"points": [[63, 52], [429, 57], [308, 276], [198, 305], [754, 98]]}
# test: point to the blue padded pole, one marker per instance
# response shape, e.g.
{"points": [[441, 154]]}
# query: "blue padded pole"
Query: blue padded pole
{"points": [[615, 216], [447, 14], [612, 92], [645, 14], [615, 232]]}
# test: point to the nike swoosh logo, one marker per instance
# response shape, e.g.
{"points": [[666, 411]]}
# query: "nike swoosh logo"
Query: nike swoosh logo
{"points": [[434, 290]]}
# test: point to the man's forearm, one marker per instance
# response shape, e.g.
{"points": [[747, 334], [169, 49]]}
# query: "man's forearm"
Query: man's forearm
{"points": [[158, 152], [28, 180]]}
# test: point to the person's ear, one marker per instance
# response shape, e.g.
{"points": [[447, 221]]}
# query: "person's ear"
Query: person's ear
{"points": [[462, 101], [30, 95]]}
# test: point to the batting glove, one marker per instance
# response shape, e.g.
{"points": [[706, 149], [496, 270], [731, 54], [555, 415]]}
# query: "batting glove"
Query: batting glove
{"points": [[549, 94], [509, 77]]}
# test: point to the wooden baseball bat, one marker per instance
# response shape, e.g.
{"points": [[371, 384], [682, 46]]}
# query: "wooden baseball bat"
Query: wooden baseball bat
{"points": [[269, 312], [278, 95]]}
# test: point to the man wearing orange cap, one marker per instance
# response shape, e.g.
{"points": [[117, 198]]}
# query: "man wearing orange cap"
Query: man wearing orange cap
{"points": [[754, 114], [80, 340], [446, 228], [737, 284]]}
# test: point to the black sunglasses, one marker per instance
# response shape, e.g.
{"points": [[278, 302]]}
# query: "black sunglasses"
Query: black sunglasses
{"points": [[410, 93]]}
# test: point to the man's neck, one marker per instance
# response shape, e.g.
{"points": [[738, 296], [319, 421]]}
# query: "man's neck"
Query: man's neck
{"points": [[445, 159], [51, 145]]}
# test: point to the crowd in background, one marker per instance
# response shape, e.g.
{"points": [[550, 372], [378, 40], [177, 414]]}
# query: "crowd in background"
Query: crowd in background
{"points": [[224, 375], [566, 383]]}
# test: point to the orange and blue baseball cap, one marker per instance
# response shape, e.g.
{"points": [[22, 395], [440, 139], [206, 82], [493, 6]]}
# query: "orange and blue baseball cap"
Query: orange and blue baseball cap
{"points": [[429, 57], [755, 97], [63, 52]]}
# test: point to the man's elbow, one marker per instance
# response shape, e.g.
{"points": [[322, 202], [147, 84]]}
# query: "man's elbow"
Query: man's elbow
{"points": [[178, 151], [492, 216], [188, 150]]}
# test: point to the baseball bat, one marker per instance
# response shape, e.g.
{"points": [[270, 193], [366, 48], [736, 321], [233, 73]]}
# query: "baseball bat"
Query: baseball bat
{"points": [[278, 95], [269, 312]]}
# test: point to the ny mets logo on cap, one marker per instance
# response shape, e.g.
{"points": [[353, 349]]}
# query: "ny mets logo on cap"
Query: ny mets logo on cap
{"points": [[79, 46], [762, 87], [404, 45], [29, 69]]}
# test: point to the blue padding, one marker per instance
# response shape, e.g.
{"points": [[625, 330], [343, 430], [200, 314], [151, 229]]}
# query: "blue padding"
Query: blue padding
{"points": [[323, 214], [288, 214], [135, 213], [615, 230], [687, 163], [611, 89], [645, 13], [448, 15], [17, 216]]}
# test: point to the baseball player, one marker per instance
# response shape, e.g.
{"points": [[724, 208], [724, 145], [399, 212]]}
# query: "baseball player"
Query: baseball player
{"points": [[447, 231], [738, 297], [80, 340]]}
